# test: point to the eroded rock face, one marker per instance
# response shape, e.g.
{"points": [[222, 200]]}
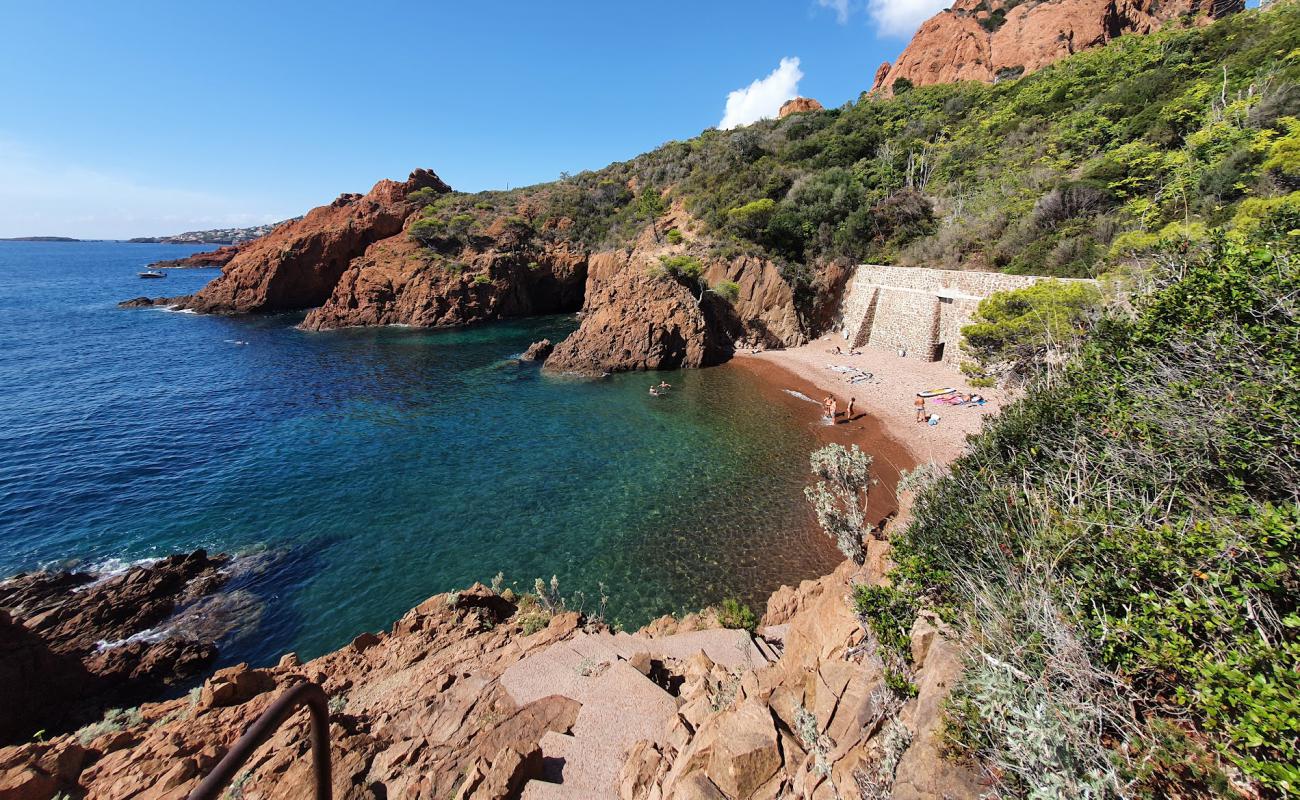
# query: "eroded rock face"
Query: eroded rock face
{"points": [[298, 265], [798, 105], [989, 40], [76, 643], [398, 282], [637, 320]]}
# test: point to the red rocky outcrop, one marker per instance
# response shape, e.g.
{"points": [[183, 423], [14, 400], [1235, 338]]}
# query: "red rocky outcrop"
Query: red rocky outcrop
{"points": [[299, 263], [637, 320], [987, 40], [74, 643], [398, 281], [798, 105]]}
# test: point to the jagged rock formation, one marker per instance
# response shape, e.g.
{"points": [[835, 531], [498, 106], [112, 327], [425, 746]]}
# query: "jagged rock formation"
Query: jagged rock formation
{"points": [[299, 263], [989, 40], [397, 281], [538, 351], [637, 320], [467, 698], [798, 105], [636, 317], [74, 643]]}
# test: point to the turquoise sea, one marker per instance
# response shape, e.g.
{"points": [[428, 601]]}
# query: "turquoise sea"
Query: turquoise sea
{"points": [[369, 469]]}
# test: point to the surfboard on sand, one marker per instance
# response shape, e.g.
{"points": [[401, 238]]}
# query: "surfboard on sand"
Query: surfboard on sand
{"points": [[936, 392]]}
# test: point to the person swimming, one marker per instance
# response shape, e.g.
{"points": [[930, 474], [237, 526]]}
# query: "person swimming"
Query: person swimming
{"points": [[654, 391]]}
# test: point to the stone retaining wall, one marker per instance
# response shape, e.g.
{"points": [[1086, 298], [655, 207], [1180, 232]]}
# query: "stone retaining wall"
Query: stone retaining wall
{"points": [[915, 310]]}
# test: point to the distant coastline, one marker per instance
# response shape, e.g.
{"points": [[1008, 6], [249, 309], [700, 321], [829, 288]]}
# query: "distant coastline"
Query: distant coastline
{"points": [[41, 239]]}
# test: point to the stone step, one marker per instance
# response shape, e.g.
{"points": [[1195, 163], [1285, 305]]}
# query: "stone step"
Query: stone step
{"points": [[733, 649], [541, 790], [565, 668]]}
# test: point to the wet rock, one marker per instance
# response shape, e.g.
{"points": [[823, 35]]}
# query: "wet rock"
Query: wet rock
{"points": [[538, 351], [76, 643]]}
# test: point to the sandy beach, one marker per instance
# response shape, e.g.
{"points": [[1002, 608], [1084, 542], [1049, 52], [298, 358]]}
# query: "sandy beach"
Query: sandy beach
{"points": [[887, 399]]}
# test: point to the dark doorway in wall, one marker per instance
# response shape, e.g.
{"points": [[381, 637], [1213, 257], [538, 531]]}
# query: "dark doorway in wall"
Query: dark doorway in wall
{"points": [[938, 351]]}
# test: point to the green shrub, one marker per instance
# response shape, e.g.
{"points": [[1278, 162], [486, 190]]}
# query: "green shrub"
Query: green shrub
{"points": [[683, 266], [482, 280], [839, 498], [734, 614], [1014, 334], [727, 290], [1122, 545], [674, 236]]}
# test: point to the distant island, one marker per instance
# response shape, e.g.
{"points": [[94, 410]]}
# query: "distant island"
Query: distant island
{"points": [[40, 239], [215, 236]]}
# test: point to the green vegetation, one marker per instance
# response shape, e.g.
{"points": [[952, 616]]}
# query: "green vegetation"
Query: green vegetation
{"points": [[1071, 171], [674, 236], [682, 267], [839, 497], [1121, 548], [734, 614], [727, 290], [1015, 334]]}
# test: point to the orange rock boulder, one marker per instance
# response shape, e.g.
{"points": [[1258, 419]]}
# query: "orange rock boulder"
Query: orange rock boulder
{"points": [[798, 105]]}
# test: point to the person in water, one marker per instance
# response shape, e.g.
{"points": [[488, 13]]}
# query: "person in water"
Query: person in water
{"points": [[920, 409], [654, 392], [831, 405], [665, 385]]}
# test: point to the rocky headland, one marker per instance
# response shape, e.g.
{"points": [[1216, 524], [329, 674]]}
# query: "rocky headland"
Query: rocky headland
{"points": [[991, 40]]}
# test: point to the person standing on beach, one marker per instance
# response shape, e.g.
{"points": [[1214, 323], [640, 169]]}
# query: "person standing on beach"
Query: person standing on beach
{"points": [[848, 414], [920, 409], [830, 409]]}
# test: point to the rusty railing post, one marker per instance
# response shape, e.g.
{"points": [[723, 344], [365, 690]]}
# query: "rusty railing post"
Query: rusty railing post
{"points": [[308, 694]]}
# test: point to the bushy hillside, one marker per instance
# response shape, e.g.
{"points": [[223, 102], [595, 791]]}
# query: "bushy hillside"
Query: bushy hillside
{"points": [[1121, 548], [1064, 172]]}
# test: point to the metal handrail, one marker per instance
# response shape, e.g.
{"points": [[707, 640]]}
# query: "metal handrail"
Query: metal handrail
{"points": [[308, 694]]}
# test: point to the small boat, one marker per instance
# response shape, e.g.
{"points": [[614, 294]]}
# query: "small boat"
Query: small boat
{"points": [[152, 273], [937, 392]]}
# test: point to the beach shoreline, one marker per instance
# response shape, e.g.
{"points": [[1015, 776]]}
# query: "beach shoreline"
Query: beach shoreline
{"points": [[884, 415]]}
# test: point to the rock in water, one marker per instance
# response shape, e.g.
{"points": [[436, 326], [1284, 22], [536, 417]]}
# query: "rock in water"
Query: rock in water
{"points": [[538, 351], [979, 40], [640, 321], [76, 643], [213, 258]]}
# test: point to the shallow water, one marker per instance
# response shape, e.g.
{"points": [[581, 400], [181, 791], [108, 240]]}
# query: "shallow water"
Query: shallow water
{"points": [[380, 466]]}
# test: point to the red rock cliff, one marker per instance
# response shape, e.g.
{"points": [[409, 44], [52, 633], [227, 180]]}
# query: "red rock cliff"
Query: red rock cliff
{"points": [[298, 264], [987, 40]]}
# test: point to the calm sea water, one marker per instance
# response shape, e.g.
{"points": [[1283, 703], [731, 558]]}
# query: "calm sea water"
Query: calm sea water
{"points": [[373, 468]]}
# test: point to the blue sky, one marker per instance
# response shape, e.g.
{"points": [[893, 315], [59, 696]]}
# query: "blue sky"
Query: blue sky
{"points": [[141, 118]]}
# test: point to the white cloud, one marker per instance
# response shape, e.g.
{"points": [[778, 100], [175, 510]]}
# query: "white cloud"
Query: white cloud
{"points": [[762, 99], [901, 18], [42, 196], [841, 8]]}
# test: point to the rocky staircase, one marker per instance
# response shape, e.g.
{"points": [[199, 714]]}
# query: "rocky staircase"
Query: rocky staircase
{"points": [[610, 675]]}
